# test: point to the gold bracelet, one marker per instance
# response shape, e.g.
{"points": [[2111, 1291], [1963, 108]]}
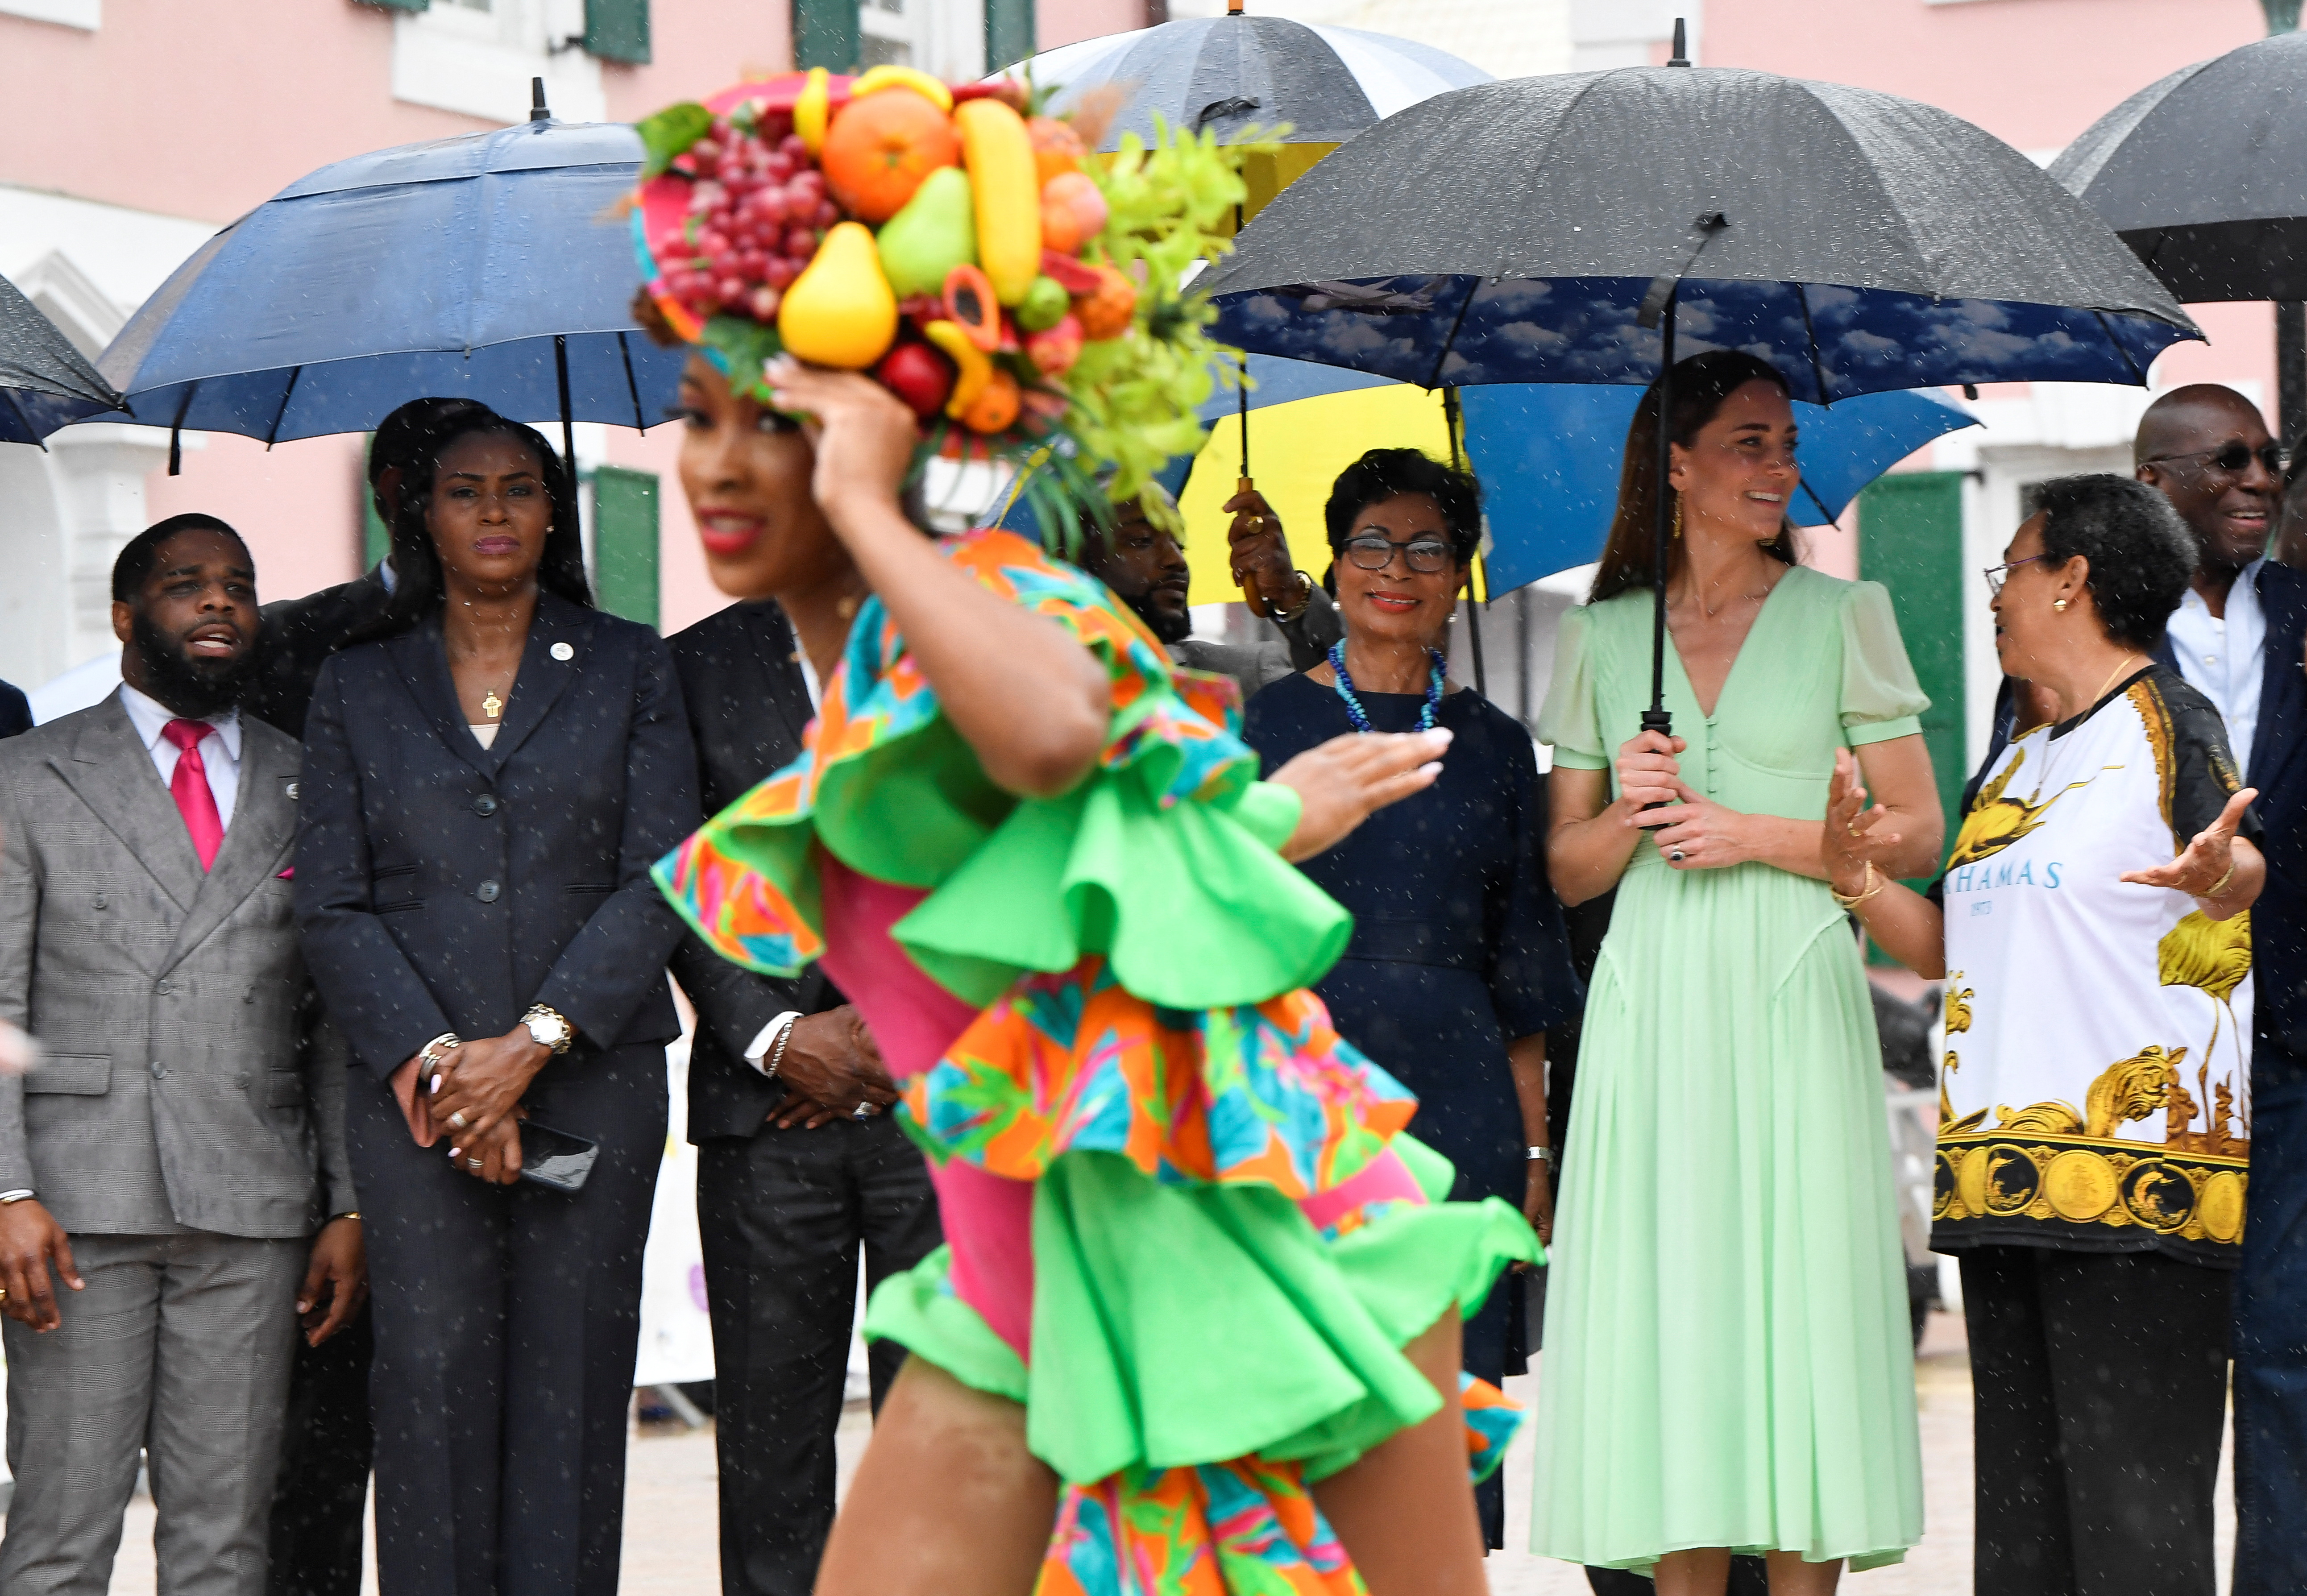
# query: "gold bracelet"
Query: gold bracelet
{"points": [[2220, 884], [1868, 887]]}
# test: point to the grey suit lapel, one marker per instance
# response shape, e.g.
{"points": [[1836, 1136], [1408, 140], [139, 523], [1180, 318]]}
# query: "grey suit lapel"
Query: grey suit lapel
{"points": [[255, 846], [112, 770]]}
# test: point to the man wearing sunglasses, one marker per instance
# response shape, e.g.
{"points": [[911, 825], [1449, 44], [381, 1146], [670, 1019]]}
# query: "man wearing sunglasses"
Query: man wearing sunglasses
{"points": [[2207, 450], [2238, 635]]}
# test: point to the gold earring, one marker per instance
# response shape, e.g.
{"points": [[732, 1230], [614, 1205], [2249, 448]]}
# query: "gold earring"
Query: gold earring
{"points": [[1677, 515], [2060, 605]]}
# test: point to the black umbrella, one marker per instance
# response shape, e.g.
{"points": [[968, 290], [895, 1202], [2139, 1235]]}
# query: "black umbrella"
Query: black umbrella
{"points": [[44, 383], [1577, 229], [2204, 173]]}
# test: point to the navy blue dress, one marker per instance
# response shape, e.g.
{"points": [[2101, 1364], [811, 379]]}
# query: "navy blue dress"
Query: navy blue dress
{"points": [[1458, 950]]}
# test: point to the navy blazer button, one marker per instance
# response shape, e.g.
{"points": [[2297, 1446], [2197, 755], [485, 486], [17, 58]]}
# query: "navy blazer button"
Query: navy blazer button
{"points": [[487, 892], [158, 1069], [485, 805]]}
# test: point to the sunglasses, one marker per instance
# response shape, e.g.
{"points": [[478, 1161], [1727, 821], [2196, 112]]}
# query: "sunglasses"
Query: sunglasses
{"points": [[2233, 458], [1424, 554]]}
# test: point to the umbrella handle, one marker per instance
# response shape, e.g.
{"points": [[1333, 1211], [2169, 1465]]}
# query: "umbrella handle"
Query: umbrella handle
{"points": [[1252, 594]]}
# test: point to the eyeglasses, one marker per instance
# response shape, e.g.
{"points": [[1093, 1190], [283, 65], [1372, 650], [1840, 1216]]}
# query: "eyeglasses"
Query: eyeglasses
{"points": [[1996, 575], [2233, 458], [1424, 554]]}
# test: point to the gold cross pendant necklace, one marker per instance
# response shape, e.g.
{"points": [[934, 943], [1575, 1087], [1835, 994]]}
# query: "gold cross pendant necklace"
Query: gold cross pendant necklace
{"points": [[493, 706]]}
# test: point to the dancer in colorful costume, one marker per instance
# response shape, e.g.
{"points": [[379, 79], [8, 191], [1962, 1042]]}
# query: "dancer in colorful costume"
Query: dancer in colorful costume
{"points": [[1196, 1326]]}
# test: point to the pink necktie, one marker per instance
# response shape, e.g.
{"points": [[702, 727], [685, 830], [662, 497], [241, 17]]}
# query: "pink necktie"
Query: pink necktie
{"points": [[190, 788]]}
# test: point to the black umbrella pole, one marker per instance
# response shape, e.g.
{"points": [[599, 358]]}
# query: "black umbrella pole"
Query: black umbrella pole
{"points": [[1655, 718], [568, 427]]}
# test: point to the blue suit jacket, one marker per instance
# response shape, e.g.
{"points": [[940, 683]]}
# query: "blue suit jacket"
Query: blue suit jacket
{"points": [[2278, 768]]}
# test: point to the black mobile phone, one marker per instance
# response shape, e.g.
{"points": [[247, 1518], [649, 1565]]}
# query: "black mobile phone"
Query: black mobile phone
{"points": [[555, 1158]]}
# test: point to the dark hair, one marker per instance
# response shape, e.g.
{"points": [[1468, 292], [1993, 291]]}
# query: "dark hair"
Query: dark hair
{"points": [[132, 566], [417, 589], [1700, 384], [1383, 473], [402, 438], [2141, 554]]}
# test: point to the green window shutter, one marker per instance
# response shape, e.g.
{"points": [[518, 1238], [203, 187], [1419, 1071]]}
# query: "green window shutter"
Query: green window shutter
{"points": [[624, 543], [618, 30], [1910, 540], [1008, 32], [825, 34], [398, 4]]}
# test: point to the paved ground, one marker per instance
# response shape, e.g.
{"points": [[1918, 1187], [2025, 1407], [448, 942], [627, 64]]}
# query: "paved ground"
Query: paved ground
{"points": [[669, 1515]]}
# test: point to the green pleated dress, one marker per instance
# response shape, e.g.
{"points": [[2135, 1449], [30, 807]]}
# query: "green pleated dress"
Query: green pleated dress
{"points": [[1728, 1356]]}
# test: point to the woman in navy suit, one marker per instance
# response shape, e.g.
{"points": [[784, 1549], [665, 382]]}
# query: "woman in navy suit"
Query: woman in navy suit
{"points": [[485, 785]]}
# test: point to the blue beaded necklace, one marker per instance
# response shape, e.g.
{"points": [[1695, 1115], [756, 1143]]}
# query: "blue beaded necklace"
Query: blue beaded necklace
{"points": [[1360, 716]]}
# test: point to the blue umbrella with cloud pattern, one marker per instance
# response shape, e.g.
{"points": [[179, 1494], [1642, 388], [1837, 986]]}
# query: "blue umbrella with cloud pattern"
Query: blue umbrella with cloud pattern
{"points": [[1589, 227]]}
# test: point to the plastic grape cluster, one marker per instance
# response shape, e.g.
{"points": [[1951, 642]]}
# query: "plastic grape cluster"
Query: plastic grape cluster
{"points": [[763, 206]]}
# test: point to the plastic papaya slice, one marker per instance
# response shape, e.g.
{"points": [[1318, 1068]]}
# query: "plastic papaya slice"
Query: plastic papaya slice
{"points": [[970, 304]]}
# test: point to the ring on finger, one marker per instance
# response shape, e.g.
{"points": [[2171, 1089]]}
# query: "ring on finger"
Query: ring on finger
{"points": [[1678, 855], [456, 1121], [473, 1164]]}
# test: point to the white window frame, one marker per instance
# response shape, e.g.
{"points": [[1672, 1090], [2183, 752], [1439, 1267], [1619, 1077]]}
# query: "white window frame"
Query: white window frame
{"points": [[944, 37], [86, 15], [479, 62]]}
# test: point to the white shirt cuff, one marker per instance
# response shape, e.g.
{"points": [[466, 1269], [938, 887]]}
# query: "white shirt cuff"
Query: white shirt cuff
{"points": [[757, 1052]]}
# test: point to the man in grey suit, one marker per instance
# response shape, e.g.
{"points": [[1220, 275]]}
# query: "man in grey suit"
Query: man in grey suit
{"points": [[173, 1153]]}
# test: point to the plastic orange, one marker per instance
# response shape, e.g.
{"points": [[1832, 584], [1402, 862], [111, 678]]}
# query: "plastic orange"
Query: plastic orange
{"points": [[1106, 313], [880, 146], [1057, 147], [994, 408]]}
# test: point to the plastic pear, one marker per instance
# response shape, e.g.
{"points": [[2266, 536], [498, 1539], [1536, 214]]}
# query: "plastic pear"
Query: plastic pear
{"points": [[840, 311], [935, 232]]}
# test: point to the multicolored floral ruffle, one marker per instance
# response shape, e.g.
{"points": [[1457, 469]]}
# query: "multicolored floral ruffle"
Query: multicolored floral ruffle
{"points": [[1074, 1063], [1245, 1527], [746, 894]]}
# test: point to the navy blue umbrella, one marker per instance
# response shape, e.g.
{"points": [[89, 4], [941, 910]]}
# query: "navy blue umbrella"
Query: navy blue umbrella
{"points": [[1594, 226], [490, 267], [44, 383]]}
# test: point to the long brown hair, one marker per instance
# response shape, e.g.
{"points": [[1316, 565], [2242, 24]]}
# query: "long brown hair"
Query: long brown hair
{"points": [[1700, 384]]}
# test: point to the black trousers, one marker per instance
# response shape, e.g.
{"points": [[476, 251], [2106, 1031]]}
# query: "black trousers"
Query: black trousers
{"points": [[2270, 1350], [2100, 1383], [782, 1215], [325, 1448], [507, 1319]]}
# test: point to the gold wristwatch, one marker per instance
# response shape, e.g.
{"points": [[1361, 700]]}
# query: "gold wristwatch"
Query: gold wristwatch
{"points": [[549, 1028]]}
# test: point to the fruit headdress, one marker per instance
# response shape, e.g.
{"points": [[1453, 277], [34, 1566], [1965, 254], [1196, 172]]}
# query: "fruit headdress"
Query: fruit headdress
{"points": [[1023, 297]]}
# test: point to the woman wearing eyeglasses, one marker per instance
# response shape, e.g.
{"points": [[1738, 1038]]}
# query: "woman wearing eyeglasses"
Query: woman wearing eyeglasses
{"points": [[1728, 1362], [2095, 1109], [1458, 963]]}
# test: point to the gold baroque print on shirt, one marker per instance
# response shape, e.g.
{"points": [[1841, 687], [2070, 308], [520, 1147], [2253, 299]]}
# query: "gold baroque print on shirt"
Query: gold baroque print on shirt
{"points": [[1992, 1176], [1958, 1004], [1994, 823], [2127, 1089], [2155, 719]]}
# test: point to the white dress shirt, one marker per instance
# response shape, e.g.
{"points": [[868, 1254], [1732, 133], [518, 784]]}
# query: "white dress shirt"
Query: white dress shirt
{"points": [[758, 1053], [219, 750], [2222, 656]]}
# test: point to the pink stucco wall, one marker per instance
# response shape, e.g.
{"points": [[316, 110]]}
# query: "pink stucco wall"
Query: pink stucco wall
{"points": [[206, 110], [2033, 72]]}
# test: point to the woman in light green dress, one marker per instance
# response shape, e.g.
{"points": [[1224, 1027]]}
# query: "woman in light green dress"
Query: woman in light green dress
{"points": [[1727, 1364]]}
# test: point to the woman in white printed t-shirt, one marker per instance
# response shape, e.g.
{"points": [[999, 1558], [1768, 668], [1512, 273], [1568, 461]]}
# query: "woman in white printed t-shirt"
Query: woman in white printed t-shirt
{"points": [[2092, 927]]}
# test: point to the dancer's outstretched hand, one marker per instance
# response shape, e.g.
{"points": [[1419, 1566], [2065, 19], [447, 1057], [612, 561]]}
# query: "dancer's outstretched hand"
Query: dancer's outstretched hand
{"points": [[1341, 782]]}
